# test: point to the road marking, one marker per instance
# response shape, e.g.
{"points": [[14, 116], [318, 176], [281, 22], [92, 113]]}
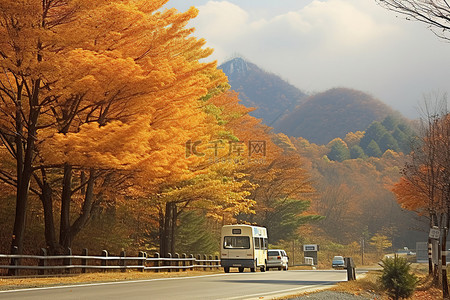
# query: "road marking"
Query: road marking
{"points": [[106, 283], [324, 285]]}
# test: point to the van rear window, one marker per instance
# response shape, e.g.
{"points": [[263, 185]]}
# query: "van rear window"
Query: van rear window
{"points": [[236, 242]]}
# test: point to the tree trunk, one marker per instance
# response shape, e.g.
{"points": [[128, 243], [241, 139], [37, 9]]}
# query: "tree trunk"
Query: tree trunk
{"points": [[162, 241], [85, 215], [167, 221], [174, 227], [49, 230], [65, 207], [167, 228]]}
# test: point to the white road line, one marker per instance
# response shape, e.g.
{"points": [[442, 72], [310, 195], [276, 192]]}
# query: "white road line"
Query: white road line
{"points": [[105, 283], [261, 295]]}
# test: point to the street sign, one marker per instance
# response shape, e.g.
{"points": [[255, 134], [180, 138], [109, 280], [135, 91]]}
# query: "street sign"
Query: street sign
{"points": [[434, 233]]}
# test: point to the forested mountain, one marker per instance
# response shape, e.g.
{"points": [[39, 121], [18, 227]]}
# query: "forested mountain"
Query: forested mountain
{"points": [[319, 118], [331, 114], [268, 93]]}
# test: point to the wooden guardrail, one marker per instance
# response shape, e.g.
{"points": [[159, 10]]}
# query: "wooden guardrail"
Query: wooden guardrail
{"points": [[64, 264]]}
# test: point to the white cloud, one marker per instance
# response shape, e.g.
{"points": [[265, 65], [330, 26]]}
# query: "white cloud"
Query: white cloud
{"points": [[329, 43], [221, 21]]}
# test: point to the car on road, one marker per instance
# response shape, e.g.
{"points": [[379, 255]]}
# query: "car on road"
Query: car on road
{"points": [[338, 262], [277, 258]]}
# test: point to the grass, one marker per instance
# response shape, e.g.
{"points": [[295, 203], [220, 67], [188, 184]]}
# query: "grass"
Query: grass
{"points": [[368, 286]]}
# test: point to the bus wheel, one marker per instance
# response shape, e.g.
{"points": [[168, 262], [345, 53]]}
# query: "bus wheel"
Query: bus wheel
{"points": [[241, 269], [226, 269], [253, 269], [263, 269]]}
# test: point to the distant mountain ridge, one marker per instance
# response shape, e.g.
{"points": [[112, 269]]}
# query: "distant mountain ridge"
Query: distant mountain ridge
{"points": [[333, 113], [272, 96], [319, 118]]}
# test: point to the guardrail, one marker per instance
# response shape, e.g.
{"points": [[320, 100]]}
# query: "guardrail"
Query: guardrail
{"points": [[66, 264]]}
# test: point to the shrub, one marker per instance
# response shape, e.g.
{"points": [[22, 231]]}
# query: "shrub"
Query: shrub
{"points": [[396, 279]]}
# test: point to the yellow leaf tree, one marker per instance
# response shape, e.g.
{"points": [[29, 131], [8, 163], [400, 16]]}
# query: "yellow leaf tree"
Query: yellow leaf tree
{"points": [[96, 93]]}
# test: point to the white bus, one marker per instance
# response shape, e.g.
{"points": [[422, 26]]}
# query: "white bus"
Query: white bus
{"points": [[243, 246]]}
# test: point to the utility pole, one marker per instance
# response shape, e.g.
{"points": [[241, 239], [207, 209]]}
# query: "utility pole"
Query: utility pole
{"points": [[362, 251]]}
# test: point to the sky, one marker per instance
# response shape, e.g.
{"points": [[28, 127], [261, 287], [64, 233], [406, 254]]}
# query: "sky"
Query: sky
{"points": [[317, 45]]}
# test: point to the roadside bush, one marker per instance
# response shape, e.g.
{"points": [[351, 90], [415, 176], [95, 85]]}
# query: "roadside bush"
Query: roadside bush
{"points": [[396, 279]]}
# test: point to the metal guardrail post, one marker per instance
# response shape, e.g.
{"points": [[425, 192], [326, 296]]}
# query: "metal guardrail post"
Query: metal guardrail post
{"points": [[141, 262], [205, 263], [217, 260], [169, 262], [157, 262], [177, 262], [42, 262], [192, 261], [68, 260], [84, 260], [197, 261], [15, 261], [210, 263], [123, 262], [183, 263], [104, 262]]}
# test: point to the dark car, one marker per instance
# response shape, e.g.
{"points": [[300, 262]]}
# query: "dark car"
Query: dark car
{"points": [[338, 262]]}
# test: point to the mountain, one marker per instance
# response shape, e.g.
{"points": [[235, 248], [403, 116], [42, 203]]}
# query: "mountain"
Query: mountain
{"points": [[331, 114], [268, 93]]}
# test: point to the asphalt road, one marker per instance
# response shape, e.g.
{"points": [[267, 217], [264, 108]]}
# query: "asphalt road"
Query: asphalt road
{"points": [[231, 286]]}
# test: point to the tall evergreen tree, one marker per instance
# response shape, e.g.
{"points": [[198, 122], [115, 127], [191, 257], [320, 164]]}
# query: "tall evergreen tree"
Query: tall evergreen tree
{"points": [[374, 132], [357, 152], [194, 236], [339, 151], [390, 123], [388, 142], [373, 149]]}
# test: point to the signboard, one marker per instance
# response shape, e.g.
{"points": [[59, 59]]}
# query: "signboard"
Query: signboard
{"points": [[310, 248], [434, 233]]}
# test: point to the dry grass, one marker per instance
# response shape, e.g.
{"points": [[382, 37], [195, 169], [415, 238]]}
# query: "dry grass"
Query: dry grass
{"points": [[369, 286]]}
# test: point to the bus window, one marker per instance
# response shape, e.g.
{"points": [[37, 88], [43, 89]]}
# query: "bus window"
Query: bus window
{"points": [[236, 242], [257, 243], [264, 243]]}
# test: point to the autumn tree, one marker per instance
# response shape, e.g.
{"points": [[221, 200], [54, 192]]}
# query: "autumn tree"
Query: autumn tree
{"points": [[118, 120], [282, 188], [380, 242], [425, 183]]}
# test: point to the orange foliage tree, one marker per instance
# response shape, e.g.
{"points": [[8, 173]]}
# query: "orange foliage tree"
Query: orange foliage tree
{"points": [[425, 185], [103, 108], [282, 187]]}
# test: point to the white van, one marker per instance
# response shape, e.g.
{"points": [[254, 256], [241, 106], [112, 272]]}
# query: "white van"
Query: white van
{"points": [[243, 246]]}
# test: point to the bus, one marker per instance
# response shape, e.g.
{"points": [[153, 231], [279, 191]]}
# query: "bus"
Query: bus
{"points": [[243, 246]]}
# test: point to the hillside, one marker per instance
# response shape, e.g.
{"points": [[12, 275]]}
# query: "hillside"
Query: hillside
{"points": [[268, 93], [331, 114]]}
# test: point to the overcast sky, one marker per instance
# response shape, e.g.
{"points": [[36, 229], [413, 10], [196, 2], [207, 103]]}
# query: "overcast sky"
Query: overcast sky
{"points": [[320, 44]]}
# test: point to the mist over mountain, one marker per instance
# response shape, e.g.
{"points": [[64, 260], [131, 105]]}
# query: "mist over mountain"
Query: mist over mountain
{"points": [[319, 118], [272, 96]]}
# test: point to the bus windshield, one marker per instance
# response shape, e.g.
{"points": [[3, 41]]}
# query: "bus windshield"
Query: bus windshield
{"points": [[236, 242]]}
